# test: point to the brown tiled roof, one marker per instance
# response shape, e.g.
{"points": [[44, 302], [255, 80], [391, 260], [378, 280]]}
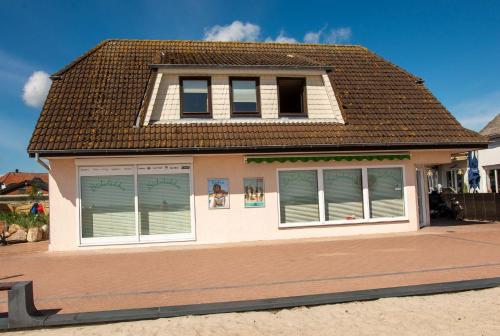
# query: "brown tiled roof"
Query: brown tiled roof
{"points": [[238, 58], [18, 177], [94, 102], [492, 130]]}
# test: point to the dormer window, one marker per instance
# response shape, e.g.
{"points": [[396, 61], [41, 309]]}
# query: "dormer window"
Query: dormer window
{"points": [[195, 97], [245, 100], [292, 97]]}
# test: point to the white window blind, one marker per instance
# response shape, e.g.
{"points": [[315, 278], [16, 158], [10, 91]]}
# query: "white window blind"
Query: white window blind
{"points": [[195, 86], [343, 189], [164, 204], [244, 91], [298, 192], [386, 192], [107, 206]]}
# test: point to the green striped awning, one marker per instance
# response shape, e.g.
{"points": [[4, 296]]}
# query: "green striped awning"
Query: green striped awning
{"points": [[332, 157]]}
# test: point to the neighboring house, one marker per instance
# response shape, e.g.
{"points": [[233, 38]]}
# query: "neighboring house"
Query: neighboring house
{"points": [[489, 159], [450, 177], [21, 183], [185, 142], [453, 175]]}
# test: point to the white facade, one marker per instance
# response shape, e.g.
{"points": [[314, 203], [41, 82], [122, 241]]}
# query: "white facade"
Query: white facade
{"points": [[489, 161], [164, 106]]}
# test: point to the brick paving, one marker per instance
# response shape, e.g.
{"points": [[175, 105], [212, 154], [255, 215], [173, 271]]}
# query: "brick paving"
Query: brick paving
{"points": [[142, 277]]}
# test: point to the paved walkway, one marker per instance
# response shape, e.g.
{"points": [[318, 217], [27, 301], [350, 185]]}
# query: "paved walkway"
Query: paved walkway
{"points": [[143, 277]]}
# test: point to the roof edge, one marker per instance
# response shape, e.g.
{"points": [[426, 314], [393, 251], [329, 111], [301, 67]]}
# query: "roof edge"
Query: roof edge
{"points": [[79, 59], [242, 42], [259, 149], [229, 66]]}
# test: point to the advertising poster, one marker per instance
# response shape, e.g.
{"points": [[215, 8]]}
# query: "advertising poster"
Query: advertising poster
{"points": [[218, 193], [254, 192]]}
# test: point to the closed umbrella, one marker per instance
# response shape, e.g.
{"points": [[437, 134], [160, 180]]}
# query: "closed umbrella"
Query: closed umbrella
{"points": [[473, 175]]}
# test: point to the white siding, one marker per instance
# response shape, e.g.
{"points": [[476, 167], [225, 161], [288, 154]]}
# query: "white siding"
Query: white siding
{"points": [[318, 101], [220, 97], [154, 94], [165, 101], [337, 114], [269, 97]]}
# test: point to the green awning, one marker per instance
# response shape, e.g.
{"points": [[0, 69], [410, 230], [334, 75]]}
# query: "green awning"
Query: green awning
{"points": [[319, 158]]}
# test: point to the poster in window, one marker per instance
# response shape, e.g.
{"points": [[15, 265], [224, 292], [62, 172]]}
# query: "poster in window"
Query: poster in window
{"points": [[254, 192], [218, 193]]}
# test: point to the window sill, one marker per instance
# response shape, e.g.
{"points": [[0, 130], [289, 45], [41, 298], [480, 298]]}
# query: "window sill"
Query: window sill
{"points": [[108, 241], [345, 222]]}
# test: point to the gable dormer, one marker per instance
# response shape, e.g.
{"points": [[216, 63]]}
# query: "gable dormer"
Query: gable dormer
{"points": [[300, 91]]}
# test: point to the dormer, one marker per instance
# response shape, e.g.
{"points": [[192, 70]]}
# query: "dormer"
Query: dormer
{"points": [[288, 88]]}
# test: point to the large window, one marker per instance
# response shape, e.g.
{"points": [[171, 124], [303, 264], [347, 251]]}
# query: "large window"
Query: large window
{"points": [[343, 194], [195, 97], [494, 177], [164, 207], [292, 97], [244, 97], [107, 204], [455, 180], [386, 192], [340, 196], [298, 196], [135, 203]]}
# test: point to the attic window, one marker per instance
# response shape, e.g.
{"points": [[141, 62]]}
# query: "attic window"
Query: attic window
{"points": [[195, 97], [244, 96], [292, 97]]}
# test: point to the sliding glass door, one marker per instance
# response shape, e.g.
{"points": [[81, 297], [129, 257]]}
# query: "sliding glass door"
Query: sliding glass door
{"points": [[143, 203], [164, 203]]}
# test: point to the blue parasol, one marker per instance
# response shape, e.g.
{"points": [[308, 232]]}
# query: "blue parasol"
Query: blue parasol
{"points": [[474, 175]]}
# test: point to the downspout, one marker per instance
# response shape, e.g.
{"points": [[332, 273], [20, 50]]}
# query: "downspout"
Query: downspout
{"points": [[41, 162]]}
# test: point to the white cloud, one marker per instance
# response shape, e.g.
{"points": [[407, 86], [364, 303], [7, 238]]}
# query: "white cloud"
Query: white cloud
{"points": [[333, 36], [339, 35], [236, 31], [239, 31], [477, 112], [312, 37], [36, 89], [281, 38]]}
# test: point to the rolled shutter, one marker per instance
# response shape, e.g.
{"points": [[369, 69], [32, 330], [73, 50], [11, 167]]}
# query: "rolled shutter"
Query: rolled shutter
{"points": [[343, 190], [386, 192], [164, 206], [107, 206], [298, 191]]}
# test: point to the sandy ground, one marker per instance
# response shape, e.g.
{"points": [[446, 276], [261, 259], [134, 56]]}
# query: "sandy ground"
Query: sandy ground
{"points": [[467, 313]]}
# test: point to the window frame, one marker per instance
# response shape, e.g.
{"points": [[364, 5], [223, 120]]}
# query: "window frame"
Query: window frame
{"points": [[366, 198], [234, 114], [137, 238], [208, 113], [304, 112]]}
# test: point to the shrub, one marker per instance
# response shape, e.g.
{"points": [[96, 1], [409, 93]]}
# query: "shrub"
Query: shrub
{"points": [[25, 220]]}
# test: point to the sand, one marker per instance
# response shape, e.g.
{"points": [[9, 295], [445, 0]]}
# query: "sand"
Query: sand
{"points": [[466, 313]]}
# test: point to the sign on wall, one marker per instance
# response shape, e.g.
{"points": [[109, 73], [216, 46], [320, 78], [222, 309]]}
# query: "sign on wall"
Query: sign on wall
{"points": [[218, 193], [254, 192]]}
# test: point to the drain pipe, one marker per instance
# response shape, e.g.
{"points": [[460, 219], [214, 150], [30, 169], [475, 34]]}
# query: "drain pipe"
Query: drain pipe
{"points": [[41, 162]]}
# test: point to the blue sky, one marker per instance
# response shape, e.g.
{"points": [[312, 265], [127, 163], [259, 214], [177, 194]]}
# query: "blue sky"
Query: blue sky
{"points": [[453, 45]]}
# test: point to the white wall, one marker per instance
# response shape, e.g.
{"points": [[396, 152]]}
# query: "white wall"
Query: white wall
{"points": [[164, 105], [488, 159], [237, 223]]}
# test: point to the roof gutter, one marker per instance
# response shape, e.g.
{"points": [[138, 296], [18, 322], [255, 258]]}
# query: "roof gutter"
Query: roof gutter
{"points": [[258, 149], [41, 162]]}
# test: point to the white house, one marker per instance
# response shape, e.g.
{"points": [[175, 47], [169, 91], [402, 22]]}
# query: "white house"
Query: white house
{"points": [[489, 159]]}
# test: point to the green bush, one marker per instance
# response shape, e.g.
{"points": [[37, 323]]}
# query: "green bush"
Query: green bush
{"points": [[25, 220]]}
